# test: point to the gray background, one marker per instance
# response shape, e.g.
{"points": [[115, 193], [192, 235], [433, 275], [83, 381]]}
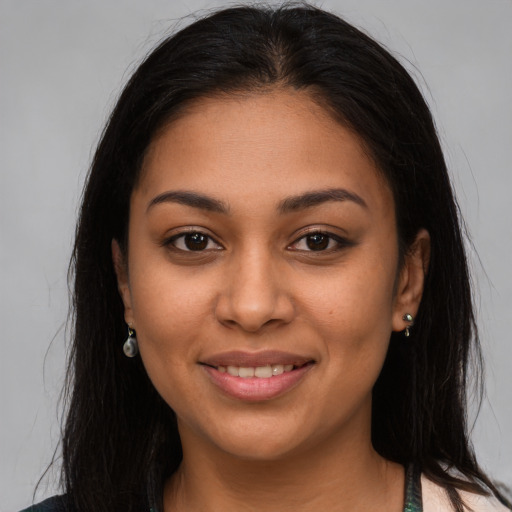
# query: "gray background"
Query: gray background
{"points": [[62, 63]]}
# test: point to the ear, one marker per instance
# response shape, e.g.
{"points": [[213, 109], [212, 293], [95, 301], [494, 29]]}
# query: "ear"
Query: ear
{"points": [[123, 285], [411, 280]]}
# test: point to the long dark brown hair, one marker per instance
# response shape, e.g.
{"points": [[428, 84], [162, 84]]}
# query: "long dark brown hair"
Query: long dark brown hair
{"points": [[118, 429]]}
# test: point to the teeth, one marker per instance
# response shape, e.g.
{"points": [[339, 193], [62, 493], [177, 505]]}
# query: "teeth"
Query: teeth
{"points": [[233, 370], [245, 373], [262, 372], [277, 369]]}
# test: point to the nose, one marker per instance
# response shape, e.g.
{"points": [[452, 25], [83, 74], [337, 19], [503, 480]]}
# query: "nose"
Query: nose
{"points": [[254, 295]]}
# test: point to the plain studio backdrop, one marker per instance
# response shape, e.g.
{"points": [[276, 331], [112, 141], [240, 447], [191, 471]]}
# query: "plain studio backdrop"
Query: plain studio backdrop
{"points": [[62, 64]]}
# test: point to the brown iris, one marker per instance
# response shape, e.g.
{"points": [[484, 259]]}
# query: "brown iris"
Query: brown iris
{"points": [[196, 241], [317, 242]]}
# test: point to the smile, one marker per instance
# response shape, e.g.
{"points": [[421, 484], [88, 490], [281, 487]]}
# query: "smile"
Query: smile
{"points": [[256, 377], [261, 372]]}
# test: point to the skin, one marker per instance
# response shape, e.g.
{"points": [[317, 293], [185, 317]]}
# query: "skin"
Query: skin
{"points": [[258, 286]]}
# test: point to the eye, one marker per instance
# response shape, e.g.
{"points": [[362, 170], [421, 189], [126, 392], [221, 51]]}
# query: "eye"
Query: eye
{"points": [[193, 241], [317, 242]]}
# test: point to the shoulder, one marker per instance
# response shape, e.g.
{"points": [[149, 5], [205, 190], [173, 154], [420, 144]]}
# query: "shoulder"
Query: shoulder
{"points": [[435, 499], [55, 504]]}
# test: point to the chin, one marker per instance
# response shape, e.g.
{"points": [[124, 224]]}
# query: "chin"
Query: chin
{"points": [[260, 450], [263, 442]]}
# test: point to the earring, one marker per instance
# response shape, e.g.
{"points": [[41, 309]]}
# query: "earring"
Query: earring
{"points": [[408, 318], [130, 347]]}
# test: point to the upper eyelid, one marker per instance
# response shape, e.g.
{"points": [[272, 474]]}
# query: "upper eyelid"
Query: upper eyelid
{"points": [[186, 230], [340, 243], [333, 236], [324, 229], [320, 231], [170, 240], [189, 232]]}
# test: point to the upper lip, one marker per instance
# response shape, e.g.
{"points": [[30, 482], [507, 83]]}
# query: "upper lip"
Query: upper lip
{"points": [[255, 359]]}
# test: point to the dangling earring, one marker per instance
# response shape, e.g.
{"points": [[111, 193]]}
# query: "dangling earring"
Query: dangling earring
{"points": [[130, 347], [408, 318]]}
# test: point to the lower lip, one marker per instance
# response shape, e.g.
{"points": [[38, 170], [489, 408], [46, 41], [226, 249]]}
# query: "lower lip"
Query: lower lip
{"points": [[256, 389]]}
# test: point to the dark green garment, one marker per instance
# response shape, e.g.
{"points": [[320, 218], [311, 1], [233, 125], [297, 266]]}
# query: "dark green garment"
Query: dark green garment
{"points": [[55, 504], [413, 502]]}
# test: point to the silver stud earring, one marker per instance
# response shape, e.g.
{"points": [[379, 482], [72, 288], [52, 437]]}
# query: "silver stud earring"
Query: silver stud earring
{"points": [[130, 347], [408, 318]]}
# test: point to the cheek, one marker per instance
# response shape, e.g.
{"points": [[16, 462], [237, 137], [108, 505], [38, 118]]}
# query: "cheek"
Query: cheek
{"points": [[169, 311], [357, 299], [165, 298], [353, 312]]}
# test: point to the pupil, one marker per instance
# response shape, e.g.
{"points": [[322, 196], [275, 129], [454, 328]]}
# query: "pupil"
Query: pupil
{"points": [[196, 241], [317, 242]]}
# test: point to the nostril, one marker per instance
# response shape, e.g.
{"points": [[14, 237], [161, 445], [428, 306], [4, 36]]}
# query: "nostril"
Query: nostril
{"points": [[254, 299]]}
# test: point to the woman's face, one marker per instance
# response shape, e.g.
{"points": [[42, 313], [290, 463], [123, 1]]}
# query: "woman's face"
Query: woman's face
{"points": [[262, 275]]}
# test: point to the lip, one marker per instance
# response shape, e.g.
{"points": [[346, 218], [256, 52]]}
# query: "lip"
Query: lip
{"points": [[256, 389], [254, 359]]}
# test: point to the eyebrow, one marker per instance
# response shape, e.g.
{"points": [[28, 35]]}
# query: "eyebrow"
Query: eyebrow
{"points": [[192, 199], [317, 197], [288, 205]]}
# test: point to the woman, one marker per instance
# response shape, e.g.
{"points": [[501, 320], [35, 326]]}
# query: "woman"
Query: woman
{"points": [[269, 224]]}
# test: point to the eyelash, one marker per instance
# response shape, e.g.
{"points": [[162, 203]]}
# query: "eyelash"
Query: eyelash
{"points": [[173, 239], [339, 241]]}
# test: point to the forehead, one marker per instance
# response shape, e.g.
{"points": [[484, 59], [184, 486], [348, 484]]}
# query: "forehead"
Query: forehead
{"points": [[264, 144]]}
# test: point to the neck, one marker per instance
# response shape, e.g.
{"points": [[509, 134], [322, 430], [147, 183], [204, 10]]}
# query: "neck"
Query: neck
{"points": [[335, 476]]}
